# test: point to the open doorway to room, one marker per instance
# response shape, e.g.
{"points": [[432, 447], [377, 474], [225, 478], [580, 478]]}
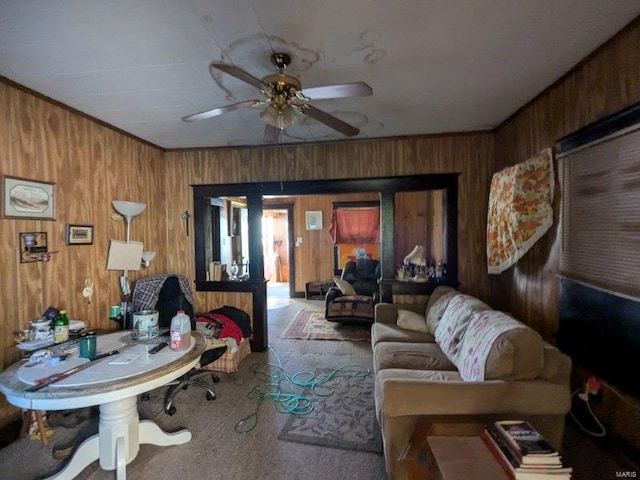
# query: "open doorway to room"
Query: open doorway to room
{"points": [[277, 239]]}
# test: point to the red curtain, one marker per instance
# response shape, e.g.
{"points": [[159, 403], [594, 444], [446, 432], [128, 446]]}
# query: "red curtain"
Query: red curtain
{"points": [[355, 225]]}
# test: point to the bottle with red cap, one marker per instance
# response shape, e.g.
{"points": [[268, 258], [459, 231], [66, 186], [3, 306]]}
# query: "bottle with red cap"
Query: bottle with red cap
{"points": [[180, 331]]}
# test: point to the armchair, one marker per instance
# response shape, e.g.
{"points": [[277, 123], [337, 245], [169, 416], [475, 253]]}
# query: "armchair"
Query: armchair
{"points": [[355, 294]]}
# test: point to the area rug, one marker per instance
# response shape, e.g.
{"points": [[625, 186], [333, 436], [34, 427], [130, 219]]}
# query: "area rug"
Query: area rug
{"points": [[311, 325], [344, 419]]}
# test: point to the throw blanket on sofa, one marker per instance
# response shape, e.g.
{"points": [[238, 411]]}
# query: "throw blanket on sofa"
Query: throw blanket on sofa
{"points": [[520, 210], [481, 335]]}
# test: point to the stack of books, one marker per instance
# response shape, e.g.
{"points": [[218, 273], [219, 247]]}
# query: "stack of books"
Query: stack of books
{"points": [[523, 453]]}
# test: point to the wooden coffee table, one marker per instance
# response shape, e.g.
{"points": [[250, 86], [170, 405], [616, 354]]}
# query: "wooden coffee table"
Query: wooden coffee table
{"points": [[449, 450]]}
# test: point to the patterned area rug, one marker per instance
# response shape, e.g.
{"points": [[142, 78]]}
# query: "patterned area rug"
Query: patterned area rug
{"points": [[344, 419], [311, 325]]}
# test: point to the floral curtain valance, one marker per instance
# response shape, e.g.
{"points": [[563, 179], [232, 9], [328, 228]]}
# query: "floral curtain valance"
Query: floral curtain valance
{"points": [[520, 210], [355, 225]]}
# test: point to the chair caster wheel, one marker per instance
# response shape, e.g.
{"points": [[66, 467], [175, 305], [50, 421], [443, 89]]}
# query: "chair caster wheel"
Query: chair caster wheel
{"points": [[215, 378], [170, 411], [210, 397]]}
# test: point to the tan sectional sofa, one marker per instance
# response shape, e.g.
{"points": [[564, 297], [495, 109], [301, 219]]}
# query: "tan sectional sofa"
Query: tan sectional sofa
{"points": [[457, 359]]}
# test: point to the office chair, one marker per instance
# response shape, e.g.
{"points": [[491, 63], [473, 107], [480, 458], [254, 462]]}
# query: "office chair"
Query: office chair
{"points": [[167, 294]]}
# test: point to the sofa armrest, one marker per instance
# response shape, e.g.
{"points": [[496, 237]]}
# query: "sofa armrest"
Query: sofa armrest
{"points": [[385, 313], [401, 392]]}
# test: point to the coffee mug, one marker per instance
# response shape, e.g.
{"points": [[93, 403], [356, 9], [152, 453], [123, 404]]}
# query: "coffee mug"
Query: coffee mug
{"points": [[88, 347]]}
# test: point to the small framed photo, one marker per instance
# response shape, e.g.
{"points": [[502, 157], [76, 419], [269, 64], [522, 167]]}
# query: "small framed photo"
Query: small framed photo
{"points": [[314, 220], [79, 234], [23, 198]]}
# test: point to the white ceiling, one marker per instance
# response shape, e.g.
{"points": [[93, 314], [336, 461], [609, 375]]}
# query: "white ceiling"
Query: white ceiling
{"points": [[434, 65]]}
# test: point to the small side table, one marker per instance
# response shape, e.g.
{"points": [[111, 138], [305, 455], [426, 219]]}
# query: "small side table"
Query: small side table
{"points": [[317, 290], [448, 451]]}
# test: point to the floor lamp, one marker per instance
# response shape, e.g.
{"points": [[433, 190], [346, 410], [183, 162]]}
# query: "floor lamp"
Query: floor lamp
{"points": [[127, 255]]}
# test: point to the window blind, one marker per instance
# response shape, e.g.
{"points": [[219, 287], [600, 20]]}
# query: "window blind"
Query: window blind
{"points": [[600, 214]]}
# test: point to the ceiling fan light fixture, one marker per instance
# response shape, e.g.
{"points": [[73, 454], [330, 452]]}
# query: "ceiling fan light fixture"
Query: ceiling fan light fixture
{"points": [[279, 117]]}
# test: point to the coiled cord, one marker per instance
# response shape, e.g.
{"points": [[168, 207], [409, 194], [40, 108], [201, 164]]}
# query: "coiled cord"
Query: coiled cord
{"points": [[278, 385]]}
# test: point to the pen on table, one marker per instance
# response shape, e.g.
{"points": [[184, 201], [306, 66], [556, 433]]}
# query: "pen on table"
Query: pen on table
{"points": [[158, 347]]}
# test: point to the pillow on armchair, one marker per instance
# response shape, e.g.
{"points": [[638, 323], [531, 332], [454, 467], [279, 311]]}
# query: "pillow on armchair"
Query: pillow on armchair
{"points": [[345, 287]]}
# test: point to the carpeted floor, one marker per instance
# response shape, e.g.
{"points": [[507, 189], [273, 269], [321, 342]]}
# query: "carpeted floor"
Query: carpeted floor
{"points": [[216, 450], [311, 325]]}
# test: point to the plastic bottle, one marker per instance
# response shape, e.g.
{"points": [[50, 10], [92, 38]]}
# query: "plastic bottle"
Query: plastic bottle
{"points": [[180, 331], [61, 327]]}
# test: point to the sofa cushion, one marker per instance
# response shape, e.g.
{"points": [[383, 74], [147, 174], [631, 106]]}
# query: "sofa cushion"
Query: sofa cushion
{"points": [[345, 287], [412, 356], [385, 332], [454, 323], [497, 346], [411, 321], [436, 309]]}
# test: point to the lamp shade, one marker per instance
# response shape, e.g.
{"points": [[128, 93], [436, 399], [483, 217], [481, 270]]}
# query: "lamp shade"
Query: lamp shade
{"points": [[128, 209], [147, 257], [279, 117]]}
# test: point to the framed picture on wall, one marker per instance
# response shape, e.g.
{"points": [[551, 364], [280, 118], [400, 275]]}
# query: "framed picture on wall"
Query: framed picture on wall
{"points": [[79, 234], [24, 198], [314, 220]]}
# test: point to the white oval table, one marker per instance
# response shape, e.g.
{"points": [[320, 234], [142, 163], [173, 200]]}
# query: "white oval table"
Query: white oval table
{"points": [[114, 384]]}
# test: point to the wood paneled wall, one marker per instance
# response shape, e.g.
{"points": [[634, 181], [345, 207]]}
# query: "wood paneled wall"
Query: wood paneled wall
{"points": [[91, 165], [418, 221], [606, 82], [470, 154]]}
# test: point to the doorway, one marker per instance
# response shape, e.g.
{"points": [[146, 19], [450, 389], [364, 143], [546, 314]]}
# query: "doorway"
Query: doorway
{"points": [[277, 242]]}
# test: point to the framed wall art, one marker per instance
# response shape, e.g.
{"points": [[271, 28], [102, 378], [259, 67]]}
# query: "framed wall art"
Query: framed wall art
{"points": [[314, 220], [79, 234], [24, 198]]}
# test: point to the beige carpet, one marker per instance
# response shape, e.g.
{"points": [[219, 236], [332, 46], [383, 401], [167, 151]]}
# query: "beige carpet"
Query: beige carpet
{"points": [[311, 325]]}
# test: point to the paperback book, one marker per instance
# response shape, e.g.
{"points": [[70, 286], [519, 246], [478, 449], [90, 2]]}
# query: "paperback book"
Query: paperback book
{"points": [[512, 464], [527, 442]]}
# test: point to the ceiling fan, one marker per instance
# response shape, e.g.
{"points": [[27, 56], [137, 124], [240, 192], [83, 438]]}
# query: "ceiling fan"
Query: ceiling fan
{"points": [[285, 99]]}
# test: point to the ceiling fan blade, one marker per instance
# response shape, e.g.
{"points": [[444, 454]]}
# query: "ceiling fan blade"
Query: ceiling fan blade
{"points": [[271, 134], [329, 120], [342, 90], [214, 112], [242, 75]]}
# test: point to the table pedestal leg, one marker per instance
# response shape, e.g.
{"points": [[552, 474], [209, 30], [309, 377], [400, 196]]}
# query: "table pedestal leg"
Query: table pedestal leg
{"points": [[152, 434], [86, 453], [118, 441]]}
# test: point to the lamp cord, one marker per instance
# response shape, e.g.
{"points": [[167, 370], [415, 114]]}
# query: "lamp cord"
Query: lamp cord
{"points": [[278, 385], [585, 399]]}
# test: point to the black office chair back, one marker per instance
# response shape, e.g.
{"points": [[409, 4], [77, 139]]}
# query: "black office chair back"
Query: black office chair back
{"points": [[170, 300]]}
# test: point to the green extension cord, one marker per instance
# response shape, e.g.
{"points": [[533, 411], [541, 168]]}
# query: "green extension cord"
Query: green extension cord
{"points": [[278, 385]]}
